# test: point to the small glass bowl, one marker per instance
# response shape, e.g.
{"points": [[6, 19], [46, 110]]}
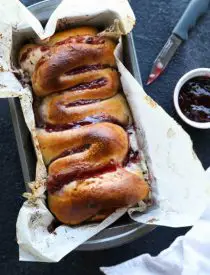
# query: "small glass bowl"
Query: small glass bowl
{"points": [[180, 83]]}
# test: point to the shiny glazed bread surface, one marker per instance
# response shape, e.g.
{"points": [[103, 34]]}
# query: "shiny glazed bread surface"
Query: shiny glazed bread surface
{"points": [[54, 111], [83, 117], [105, 142], [83, 200]]}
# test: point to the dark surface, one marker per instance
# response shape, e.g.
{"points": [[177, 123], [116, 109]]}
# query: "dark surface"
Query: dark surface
{"points": [[155, 20]]}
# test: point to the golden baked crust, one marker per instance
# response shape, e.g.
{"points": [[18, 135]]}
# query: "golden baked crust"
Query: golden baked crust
{"points": [[114, 109], [77, 202], [83, 119], [102, 143], [57, 108], [52, 72], [30, 54]]}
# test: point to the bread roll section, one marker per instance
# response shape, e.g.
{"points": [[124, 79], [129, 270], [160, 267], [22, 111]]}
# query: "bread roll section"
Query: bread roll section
{"points": [[83, 123]]}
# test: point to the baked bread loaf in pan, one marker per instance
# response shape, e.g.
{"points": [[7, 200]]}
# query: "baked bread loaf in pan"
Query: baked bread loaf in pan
{"points": [[83, 126]]}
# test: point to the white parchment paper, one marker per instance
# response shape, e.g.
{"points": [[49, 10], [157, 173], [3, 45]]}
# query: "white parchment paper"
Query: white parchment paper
{"points": [[188, 254], [179, 185]]}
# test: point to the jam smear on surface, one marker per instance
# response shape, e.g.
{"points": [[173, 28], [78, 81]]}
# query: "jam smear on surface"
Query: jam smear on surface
{"points": [[55, 183], [87, 121], [25, 54], [53, 225], [158, 70], [29, 50], [44, 48], [194, 99], [132, 157]]}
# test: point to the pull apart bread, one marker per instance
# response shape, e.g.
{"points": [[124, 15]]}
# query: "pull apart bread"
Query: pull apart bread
{"points": [[83, 123]]}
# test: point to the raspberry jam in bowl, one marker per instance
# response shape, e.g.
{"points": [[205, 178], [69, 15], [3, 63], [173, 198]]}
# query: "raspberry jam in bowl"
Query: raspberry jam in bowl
{"points": [[192, 98]]}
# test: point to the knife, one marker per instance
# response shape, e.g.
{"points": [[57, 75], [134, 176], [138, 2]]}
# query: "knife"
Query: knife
{"points": [[193, 12]]}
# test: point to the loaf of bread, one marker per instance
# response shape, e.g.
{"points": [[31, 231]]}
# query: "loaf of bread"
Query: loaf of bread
{"points": [[82, 125]]}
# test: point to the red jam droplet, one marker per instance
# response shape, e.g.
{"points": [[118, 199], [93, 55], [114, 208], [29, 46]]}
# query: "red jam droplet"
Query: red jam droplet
{"points": [[157, 71]]}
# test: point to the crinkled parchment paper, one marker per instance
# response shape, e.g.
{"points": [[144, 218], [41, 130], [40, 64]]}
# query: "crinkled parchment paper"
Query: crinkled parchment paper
{"points": [[179, 184]]}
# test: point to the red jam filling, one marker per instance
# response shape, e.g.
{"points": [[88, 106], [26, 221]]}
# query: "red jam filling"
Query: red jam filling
{"points": [[87, 68], [86, 121], [55, 183], [82, 102], [25, 55], [194, 99], [132, 157], [95, 84]]}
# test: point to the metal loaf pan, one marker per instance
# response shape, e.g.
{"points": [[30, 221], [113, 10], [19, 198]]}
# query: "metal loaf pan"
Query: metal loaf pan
{"points": [[124, 230]]}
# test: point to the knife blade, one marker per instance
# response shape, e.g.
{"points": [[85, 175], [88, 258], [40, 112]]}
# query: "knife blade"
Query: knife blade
{"points": [[164, 57], [193, 12]]}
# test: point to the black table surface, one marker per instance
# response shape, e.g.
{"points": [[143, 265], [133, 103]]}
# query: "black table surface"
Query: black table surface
{"points": [[155, 20]]}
